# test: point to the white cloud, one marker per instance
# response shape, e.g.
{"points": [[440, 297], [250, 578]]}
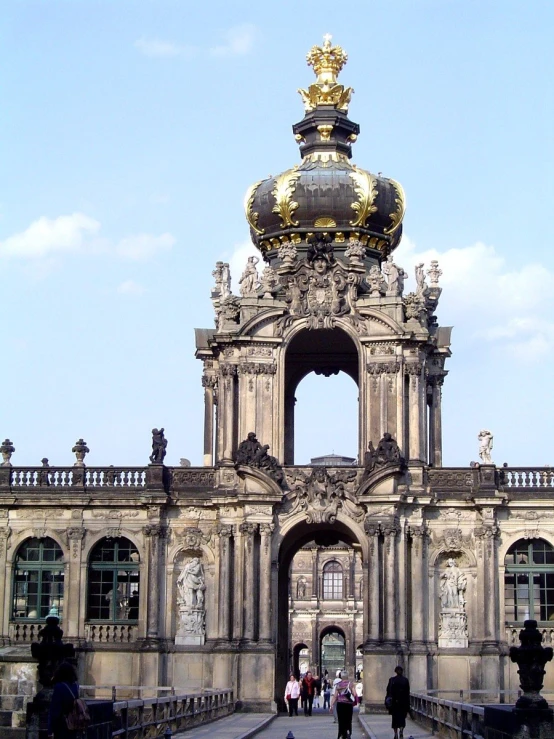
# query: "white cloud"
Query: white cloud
{"points": [[155, 47], [47, 240], [238, 41], [47, 236], [143, 246], [130, 287], [504, 305]]}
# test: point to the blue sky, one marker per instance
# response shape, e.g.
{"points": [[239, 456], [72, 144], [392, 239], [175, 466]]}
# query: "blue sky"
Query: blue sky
{"points": [[130, 132]]}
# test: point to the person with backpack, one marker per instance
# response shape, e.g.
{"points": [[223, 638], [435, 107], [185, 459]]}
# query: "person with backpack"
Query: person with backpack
{"points": [[344, 699], [68, 714]]}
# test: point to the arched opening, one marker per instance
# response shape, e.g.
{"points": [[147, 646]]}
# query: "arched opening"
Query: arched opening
{"points": [[308, 553], [325, 352], [113, 581], [332, 650], [326, 420], [38, 580], [529, 581]]}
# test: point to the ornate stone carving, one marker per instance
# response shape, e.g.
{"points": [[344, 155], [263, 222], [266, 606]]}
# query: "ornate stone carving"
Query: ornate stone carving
{"points": [[434, 273], [155, 530], [449, 480], [387, 454], [5, 533], [189, 478], [228, 370], [159, 446], [415, 308], [209, 380], [453, 618], [256, 368], [228, 312], [421, 285], [253, 454], [395, 276], [249, 282], [355, 252], [225, 530], [321, 493], [191, 589], [301, 588], [383, 368], [288, 254], [259, 351], [485, 446], [376, 281], [222, 277], [192, 538], [76, 537], [268, 282], [44, 473], [6, 450], [80, 450]]}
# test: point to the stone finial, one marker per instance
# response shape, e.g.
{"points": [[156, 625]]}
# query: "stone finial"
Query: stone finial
{"points": [[288, 254], [355, 252], [44, 473], [376, 281], [6, 450], [159, 446], [531, 658], [80, 450], [434, 273]]}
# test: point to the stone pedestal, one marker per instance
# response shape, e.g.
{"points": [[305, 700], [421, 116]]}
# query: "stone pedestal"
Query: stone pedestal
{"points": [[453, 629], [192, 625]]}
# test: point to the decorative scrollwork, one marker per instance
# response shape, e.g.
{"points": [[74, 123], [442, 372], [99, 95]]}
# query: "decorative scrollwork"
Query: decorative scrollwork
{"points": [[398, 215], [366, 191], [285, 185], [252, 216]]}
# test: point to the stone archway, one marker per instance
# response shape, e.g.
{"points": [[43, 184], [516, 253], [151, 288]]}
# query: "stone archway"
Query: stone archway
{"points": [[332, 649], [324, 534]]}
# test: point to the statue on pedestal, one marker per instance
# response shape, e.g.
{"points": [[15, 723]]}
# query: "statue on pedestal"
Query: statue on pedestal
{"points": [[159, 445], [191, 588], [485, 446], [453, 617]]}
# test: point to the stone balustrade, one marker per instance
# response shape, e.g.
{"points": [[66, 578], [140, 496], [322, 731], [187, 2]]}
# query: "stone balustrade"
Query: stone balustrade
{"points": [[526, 478], [24, 632], [90, 477], [513, 631], [111, 633]]}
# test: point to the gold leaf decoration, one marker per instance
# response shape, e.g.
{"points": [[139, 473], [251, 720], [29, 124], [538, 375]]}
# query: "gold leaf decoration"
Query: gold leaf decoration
{"points": [[398, 215], [366, 191], [252, 217], [285, 185], [325, 222]]}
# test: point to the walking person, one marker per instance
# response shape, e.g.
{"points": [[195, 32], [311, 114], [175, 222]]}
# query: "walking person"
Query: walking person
{"points": [[66, 691], [398, 701], [308, 692], [344, 698], [292, 694], [326, 694], [336, 681]]}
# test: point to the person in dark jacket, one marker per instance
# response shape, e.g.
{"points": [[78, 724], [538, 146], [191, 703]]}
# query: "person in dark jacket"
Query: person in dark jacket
{"points": [[308, 686], [398, 690], [66, 690]]}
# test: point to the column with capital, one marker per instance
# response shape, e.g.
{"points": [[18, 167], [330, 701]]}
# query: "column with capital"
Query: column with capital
{"points": [[226, 414], [225, 534], [435, 421], [5, 572], [249, 531], [487, 536], [266, 530], [238, 585], [419, 537], [209, 383], [76, 578], [390, 532], [154, 536], [417, 413], [373, 627]]}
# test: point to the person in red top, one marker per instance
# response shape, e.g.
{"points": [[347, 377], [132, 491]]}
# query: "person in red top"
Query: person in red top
{"points": [[308, 692]]}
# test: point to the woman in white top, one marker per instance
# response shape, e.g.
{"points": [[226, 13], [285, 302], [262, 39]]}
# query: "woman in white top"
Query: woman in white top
{"points": [[292, 694]]}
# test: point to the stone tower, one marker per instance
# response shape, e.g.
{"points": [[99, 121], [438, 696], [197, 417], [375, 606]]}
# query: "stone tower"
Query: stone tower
{"points": [[330, 298]]}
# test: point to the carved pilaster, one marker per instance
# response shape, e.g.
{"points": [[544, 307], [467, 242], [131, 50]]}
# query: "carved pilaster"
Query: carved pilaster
{"points": [[154, 534], [390, 533], [266, 530], [373, 531], [249, 530], [420, 540], [72, 587], [5, 533], [487, 535], [225, 532]]}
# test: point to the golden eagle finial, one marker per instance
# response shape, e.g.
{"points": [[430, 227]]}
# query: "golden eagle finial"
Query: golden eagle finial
{"points": [[327, 62]]}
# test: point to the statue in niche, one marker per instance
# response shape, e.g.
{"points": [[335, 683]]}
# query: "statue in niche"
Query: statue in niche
{"points": [[159, 445], [395, 276], [249, 282], [453, 587], [191, 584], [485, 446], [301, 587]]}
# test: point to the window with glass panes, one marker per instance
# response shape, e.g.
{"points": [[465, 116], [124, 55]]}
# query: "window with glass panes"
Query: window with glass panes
{"points": [[529, 581], [332, 581], [38, 580], [113, 581]]}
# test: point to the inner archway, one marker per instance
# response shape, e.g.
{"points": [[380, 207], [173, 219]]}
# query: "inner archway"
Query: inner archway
{"points": [[325, 352], [332, 650], [320, 571]]}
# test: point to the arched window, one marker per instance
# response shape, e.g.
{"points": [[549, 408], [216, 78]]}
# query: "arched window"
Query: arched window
{"points": [[113, 581], [332, 581], [38, 580], [529, 581]]}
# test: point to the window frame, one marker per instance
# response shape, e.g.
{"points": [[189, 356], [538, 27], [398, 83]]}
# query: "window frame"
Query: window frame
{"points": [[333, 580], [114, 566], [530, 569], [55, 567]]}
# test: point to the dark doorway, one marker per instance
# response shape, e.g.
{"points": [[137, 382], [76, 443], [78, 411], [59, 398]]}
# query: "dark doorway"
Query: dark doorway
{"points": [[332, 650]]}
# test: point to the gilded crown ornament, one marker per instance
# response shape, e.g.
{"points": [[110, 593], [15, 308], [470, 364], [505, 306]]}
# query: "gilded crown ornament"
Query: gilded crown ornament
{"points": [[327, 62]]}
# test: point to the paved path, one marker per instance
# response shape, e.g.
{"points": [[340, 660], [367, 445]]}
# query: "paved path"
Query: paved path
{"points": [[318, 726]]}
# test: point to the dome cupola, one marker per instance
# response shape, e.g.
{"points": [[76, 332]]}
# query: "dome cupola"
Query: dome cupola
{"points": [[326, 197]]}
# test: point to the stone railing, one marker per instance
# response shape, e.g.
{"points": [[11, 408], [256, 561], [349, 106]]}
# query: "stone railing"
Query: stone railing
{"points": [[65, 477], [24, 632], [111, 633], [513, 631], [526, 478], [448, 718], [135, 719]]}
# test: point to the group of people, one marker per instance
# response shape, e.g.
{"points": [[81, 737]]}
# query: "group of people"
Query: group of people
{"points": [[342, 695]]}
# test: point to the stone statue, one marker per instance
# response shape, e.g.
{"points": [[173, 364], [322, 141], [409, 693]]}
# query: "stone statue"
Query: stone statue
{"points": [[301, 587], [247, 450], [225, 281], [421, 285], [249, 282], [6, 450], [159, 444], [453, 587], [252, 454], [395, 276], [191, 584], [387, 454], [485, 446], [44, 473]]}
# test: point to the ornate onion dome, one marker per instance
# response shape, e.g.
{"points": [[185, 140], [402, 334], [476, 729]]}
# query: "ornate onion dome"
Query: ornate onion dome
{"points": [[326, 195]]}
